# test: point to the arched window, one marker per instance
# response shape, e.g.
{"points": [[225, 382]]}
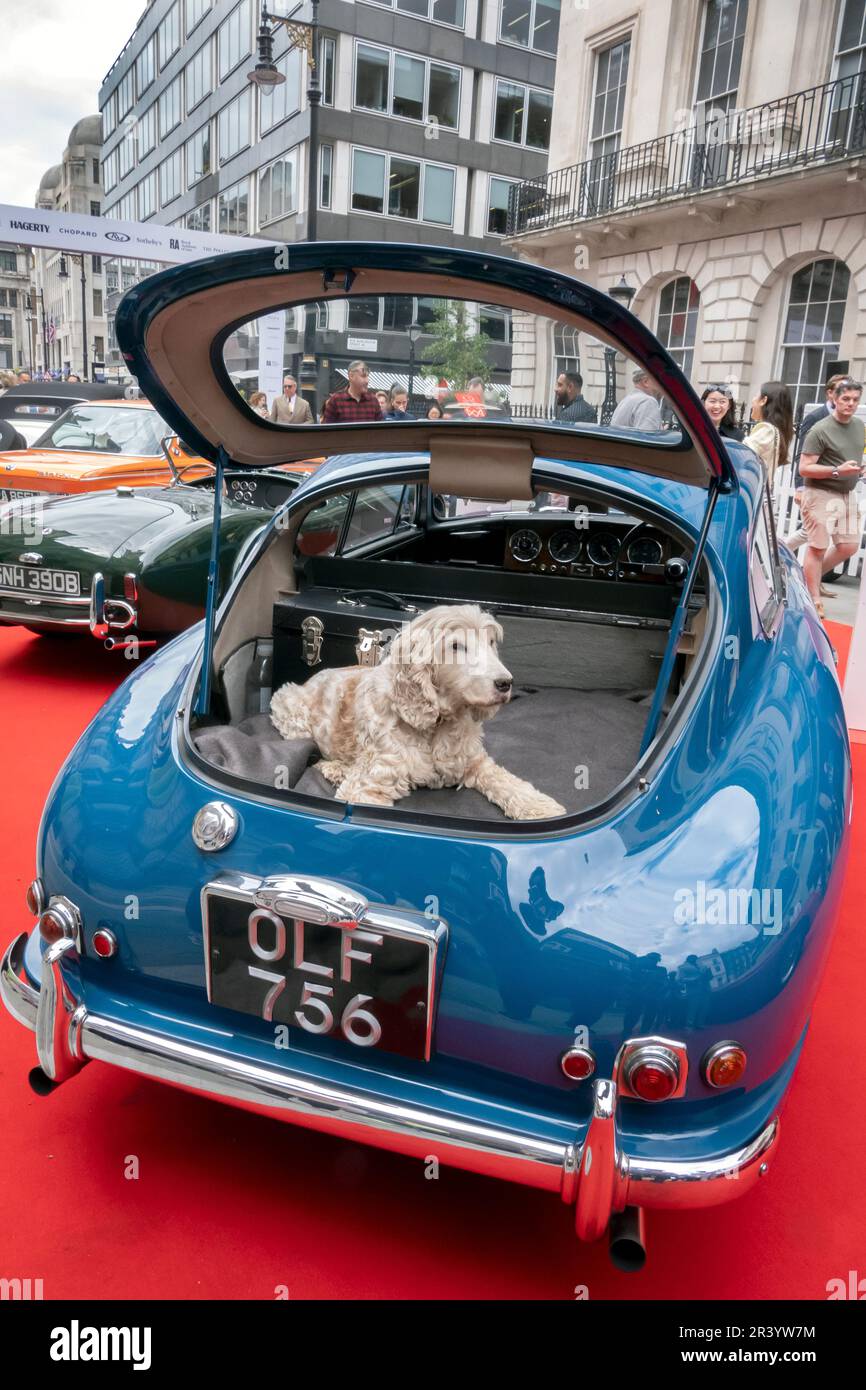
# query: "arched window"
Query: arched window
{"points": [[813, 327], [677, 325], [566, 347]]}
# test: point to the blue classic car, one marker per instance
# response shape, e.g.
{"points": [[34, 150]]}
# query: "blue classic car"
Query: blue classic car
{"points": [[280, 869]]}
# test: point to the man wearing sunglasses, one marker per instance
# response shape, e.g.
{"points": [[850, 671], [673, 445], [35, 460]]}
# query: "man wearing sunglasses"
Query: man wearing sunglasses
{"points": [[831, 466]]}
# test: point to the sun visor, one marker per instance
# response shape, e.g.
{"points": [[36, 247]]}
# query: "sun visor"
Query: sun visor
{"points": [[473, 345]]}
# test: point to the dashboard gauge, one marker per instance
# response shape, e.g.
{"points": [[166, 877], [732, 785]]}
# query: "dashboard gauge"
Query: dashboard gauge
{"points": [[525, 546], [645, 550], [564, 546], [602, 548]]}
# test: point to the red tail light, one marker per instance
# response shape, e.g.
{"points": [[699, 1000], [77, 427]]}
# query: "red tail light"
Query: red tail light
{"points": [[651, 1072], [578, 1063]]}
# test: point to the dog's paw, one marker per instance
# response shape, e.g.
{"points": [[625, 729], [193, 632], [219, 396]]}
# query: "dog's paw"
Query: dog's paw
{"points": [[332, 771], [536, 806]]}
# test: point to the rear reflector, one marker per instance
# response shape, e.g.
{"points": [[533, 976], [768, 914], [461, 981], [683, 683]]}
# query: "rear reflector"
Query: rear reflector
{"points": [[36, 897], [53, 926], [104, 943], [578, 1063]]}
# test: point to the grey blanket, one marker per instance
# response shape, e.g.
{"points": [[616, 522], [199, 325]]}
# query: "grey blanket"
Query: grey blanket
{"points": [[576, 745]]}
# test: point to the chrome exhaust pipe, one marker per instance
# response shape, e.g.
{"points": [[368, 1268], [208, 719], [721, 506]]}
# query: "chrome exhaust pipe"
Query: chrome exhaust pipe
{"points": [[114, 644], [627, 1237]]}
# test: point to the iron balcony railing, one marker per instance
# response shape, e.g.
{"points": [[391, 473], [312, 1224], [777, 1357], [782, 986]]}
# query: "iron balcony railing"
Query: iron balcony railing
{"points": [[719, 148]]}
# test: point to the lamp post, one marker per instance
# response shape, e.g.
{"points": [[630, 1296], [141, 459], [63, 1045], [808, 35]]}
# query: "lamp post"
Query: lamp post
{"points": [[414, 332], [30, 320], [623, 293], [266, 76], [63, 274]]}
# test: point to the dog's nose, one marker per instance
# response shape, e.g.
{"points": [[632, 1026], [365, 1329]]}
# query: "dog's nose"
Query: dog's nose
{"points": [[502, 687]]}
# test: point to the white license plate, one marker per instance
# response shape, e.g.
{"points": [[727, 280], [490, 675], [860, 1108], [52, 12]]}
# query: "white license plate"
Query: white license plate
{"points": [[13, 494], [26, 579]]}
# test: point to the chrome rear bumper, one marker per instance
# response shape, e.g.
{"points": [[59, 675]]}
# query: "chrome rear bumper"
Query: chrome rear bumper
{"points": [[594, 1174]]}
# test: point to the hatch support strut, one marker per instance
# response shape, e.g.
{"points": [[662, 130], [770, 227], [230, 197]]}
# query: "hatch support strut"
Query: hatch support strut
{"points": [[679, 621], [203, 702]]}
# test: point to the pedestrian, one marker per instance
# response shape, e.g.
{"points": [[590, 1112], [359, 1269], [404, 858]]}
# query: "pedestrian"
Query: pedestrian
{"points": [[384, 400], [398, 405], [356, 402], [719, 403], [435, 412], [832, 465], [798, 537], [640, 409], [290, 408], [259, 403], [23, 378], [571, 408], [770, 438]]}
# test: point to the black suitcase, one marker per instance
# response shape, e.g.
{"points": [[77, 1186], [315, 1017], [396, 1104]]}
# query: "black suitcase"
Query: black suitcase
{"points": [[323, 627]]}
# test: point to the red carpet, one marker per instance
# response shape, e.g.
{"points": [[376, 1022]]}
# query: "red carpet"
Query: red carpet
{"points": [[227, 1205]]}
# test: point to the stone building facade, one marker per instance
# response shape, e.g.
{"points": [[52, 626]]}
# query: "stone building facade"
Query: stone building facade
{"points": [[712, 153]]}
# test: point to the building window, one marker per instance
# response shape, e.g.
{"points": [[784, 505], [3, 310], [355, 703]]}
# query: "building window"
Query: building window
{"points": [[566, 349], [497, 205], [147, 196], [813, 328], [94, 170], [97, 304], [199, 79], [99, 349], [850, 66], [406, 188], [522, 115], [8, 299], [611, 80], [530, 23], [169, 34], [195, 13], [199, 220], [677, 325], [126, 154], [278, 188], [126, 93], [198, 156], [234, 38], [717, 83], [327, 64], [8, 261], [450, 12], [109, 115], [234, 126], [285, 99], [96, 265], [494, 322], [5, 325], [145, 66], [147, 131], [398, 84], [94, 208], [170, 107], [109, 171], [233, 209], [170, 178], [326, 171]]}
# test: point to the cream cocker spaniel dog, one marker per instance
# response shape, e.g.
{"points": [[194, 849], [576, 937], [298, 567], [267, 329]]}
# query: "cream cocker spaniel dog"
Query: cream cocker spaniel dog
{"points": [[415, 720]]}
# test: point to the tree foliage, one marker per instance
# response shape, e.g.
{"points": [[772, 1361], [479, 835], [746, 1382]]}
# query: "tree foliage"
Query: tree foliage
{"points": [[458, 350]]}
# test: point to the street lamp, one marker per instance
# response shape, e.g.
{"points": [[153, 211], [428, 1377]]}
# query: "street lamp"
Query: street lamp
{"points": [[265, 75], [623, 294], [414, 332], [63, 274]]}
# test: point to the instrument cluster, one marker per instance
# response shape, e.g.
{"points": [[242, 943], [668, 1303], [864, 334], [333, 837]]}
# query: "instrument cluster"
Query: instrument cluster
{"points": [[596, 551]]}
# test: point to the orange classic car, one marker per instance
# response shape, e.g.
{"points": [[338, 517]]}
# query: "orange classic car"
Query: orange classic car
{"points": [[96, 445]]}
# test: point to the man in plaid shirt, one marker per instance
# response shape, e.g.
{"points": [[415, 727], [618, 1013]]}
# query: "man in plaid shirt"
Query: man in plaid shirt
{"points": [[355, 403]]}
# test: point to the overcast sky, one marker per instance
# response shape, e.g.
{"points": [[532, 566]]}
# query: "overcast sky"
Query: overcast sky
{"points": [[55, 55]]}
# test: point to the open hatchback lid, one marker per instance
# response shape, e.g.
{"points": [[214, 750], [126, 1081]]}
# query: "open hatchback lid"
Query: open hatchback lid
{"points": [[419, 316]]}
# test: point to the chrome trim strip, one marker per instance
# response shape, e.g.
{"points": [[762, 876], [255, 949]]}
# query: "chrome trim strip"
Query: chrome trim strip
{"points": [[81, 601]]}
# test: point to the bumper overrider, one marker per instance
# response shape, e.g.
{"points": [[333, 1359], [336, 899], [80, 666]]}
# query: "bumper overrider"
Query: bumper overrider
{"points": [[593, 1174], [108, 619]]}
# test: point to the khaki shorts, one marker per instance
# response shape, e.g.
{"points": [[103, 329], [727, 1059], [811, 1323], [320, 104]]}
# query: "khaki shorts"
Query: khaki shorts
{"points": [[830, 518]]}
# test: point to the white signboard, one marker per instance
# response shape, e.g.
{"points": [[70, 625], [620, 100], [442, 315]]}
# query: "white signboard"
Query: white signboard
{"points": [[362, 344], [105, 236], [272, 338]]}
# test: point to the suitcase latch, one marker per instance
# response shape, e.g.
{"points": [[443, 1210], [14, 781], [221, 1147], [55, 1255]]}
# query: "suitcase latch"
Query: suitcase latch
{"points": [[370, 644], [311, 645]]}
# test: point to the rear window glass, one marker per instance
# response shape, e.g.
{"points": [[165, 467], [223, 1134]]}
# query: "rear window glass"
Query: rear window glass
{"points": [[108, 430]]}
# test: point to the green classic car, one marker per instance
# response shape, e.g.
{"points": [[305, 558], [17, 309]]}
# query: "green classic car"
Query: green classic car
{"points": [[129, 564]]}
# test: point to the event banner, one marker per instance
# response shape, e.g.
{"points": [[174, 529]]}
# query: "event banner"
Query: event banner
{"points": [[272, 336], [104, 236]]}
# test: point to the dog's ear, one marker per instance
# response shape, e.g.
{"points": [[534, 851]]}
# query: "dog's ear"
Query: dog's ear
{"points": [[415, 697]]}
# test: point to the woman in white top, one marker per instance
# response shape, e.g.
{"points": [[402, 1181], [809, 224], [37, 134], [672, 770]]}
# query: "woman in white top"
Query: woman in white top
{"points": [[771, 435]]}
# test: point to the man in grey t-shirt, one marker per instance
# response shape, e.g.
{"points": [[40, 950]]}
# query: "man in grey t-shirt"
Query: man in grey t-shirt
{"points": [[832, 466], [640, 409]]}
